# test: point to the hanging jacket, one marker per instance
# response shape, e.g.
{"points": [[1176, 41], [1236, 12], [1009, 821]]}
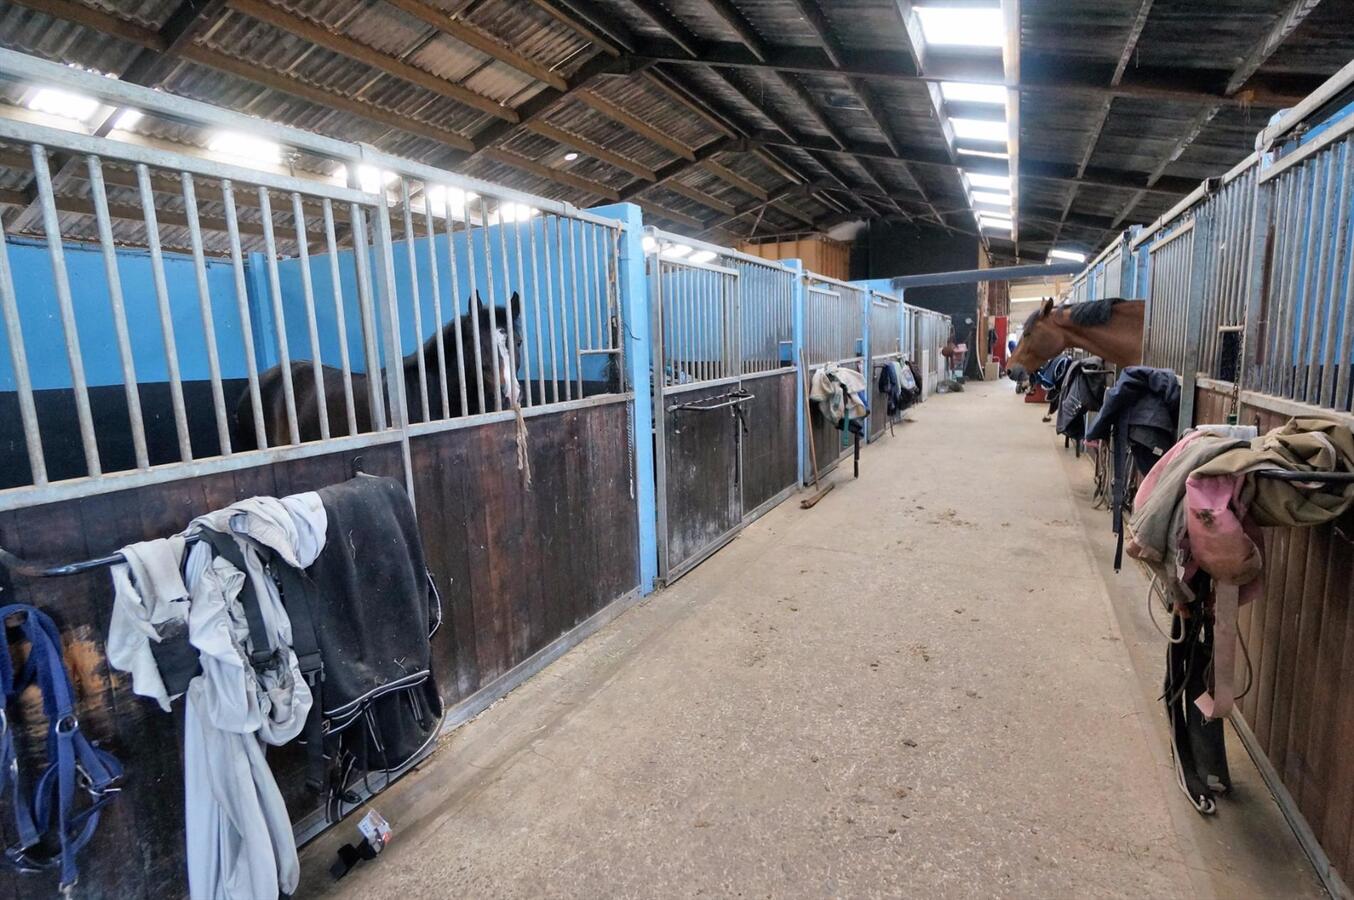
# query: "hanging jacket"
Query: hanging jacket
{"points": [[1139, 417], [251, 691], [826, 391], [375, 613], [1082, 392], [890, 387]]}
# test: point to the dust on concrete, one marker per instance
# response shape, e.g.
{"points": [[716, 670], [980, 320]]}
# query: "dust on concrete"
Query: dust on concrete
{"points": [[823, 711]]}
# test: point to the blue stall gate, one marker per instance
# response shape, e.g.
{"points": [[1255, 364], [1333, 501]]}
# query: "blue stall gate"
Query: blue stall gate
{"points": [[725, 411]]}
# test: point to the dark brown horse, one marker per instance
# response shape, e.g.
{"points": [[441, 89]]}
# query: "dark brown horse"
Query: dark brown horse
{"points": [[479, 379], [1110, 328]]}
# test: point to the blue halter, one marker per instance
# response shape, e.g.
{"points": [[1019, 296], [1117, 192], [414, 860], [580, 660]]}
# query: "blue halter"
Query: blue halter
{"points": [[72, 761]]}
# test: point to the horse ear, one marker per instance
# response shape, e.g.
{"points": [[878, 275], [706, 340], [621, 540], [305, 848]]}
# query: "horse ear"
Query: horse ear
{"points": [[515, 306], [1048, 307], [478, 306]]}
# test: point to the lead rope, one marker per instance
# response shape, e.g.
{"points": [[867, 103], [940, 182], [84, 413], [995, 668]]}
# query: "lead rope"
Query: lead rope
{"points": [[523, 455]]}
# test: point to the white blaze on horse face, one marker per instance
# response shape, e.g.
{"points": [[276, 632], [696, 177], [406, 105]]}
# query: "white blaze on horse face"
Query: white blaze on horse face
{"points": [[507, 378]]}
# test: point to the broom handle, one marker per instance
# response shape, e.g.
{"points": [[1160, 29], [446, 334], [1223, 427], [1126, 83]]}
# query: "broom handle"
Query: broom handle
{"points": [[808, 416]]}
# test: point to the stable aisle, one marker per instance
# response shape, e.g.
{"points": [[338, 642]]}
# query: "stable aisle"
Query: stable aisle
{"points": [[920, 687]]}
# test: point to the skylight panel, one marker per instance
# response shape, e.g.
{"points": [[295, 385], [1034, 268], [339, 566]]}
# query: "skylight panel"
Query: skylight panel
{"points": [[984, 180], [980, 130], [992, 199], [246, 149], [65, 104], [987, 154], [968, 92], [966, 27]]}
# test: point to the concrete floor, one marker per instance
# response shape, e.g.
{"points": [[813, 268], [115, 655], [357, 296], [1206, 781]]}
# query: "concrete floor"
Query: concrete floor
{"points": [[932, 684]]}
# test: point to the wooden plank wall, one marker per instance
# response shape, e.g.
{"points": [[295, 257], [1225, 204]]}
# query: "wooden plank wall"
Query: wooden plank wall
{"points": [[770, 447], [516, 568], [702, 473], [1299, 640]]}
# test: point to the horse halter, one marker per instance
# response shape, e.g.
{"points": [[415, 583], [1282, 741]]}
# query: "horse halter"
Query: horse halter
{"points": [[72, 760]]}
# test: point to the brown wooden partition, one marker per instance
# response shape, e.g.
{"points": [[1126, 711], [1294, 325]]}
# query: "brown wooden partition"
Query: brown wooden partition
{"points": [[516, 567], [1298, 656]]}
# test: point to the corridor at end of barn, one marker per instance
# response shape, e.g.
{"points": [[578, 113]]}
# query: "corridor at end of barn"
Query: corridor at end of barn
{"points": [[978, 708]]}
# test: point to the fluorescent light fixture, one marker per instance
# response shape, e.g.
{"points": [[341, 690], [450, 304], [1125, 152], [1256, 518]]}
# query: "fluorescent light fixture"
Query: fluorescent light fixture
{"points": [[64, 104], [246, 149], [702, 256], [995, 224], [440, 200], [991, 199], [961, 27], [676, 251], [1070, 255], [980, 130], [570, 156], [650, 245], [983, 180], [987, 154], [128, 119], [516, 212], [967, 92], [372, 179]]}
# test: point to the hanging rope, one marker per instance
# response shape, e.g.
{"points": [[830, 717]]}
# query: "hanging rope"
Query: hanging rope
{"points": [[523, 455]]}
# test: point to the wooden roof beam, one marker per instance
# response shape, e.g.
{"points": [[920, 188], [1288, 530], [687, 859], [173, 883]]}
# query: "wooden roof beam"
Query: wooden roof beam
{"points": [[1292, 16], [382, 62], [1043, 74], [474, 37], [587, 147], [635, 124], [532, 167], [588, 22]]}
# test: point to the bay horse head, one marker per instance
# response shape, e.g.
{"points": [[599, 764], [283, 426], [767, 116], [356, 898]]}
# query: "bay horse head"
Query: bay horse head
{"points": [[1040, 341]]}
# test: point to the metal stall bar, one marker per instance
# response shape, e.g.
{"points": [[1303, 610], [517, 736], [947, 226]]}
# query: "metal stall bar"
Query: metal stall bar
{"points": [[340, 319], [204, 297], [131, 389]]}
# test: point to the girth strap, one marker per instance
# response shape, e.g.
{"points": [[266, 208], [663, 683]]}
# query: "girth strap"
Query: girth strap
{"points": [[226, 547], [72, 760]]}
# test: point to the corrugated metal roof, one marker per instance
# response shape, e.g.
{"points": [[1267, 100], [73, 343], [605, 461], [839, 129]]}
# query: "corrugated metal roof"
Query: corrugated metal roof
{"points": [[1203, 42]]}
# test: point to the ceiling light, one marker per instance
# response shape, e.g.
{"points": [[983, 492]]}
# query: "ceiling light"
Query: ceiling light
{"points": [[995, 224], [244, 148], [127, 119], [701, 257], [982, 180], [676, 251], [63, 104], [967, 92], [516, 212], [372, 179], [570, 156], [438, 197], [650, 245], [1070, 255], [980, 129], [989, 154], [966, 27], [992, 199]]}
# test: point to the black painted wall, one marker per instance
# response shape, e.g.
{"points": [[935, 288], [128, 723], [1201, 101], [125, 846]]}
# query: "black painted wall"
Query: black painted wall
{"points": [[889, 250]]}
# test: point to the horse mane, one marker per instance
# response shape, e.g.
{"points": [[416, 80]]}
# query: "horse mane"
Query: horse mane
{"points": [[1093, 312], [1088, 314]]}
